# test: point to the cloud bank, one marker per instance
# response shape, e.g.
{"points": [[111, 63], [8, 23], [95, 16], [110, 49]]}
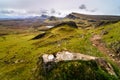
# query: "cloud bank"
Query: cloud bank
{"points": [[58, 7]]}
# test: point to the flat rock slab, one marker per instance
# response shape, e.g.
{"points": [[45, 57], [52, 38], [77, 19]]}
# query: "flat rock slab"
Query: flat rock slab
{"points": [[66, 55]]}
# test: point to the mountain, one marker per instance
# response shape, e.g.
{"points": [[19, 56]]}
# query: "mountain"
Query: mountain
{"points": [[94, 17], [93, 20], [43, 17], [83, 20], [24, 23]]}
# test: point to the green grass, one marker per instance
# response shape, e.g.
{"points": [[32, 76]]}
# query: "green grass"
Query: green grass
{"points": [[19, 54], [76, 70], [66, 38], [16, 48], [112, 38], [113, 33]]}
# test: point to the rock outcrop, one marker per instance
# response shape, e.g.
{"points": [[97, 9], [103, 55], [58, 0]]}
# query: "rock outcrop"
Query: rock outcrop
{"points": [[66, 56], [50, 60]]}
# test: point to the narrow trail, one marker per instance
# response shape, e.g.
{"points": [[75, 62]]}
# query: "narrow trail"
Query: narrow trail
{"points": [[97, 42]]}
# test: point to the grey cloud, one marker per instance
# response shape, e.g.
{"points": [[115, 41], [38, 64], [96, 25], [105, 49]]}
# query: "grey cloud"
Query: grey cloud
{"points": [[14, 12], [83, 6], [93, 10], [53, 11], [43, 11], [20, 12], [7, 11], [59, 13]]}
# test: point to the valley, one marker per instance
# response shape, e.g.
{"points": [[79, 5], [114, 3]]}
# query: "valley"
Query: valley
{"points": [[22, 46]]}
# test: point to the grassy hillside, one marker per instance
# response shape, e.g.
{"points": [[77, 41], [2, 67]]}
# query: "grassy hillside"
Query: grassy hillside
{"points": [[19, 54], [111, 37]]}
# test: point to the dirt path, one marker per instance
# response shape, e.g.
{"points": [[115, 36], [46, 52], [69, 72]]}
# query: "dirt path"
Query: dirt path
{"points": [[97, 42]]}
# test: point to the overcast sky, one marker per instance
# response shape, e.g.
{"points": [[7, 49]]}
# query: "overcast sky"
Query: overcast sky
{"points": [[25, 8]]}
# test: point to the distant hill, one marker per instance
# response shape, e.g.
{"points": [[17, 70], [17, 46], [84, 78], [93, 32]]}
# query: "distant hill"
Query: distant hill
{"points": [[82, 21], [25, 22], [94, 17]]}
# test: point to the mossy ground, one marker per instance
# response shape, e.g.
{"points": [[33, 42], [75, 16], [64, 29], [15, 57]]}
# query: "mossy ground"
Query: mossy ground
{"points": [[19, 54], [78, 70]]}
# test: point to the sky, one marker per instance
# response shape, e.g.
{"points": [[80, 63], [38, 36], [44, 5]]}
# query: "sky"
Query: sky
{"points": [[60, 8]]}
